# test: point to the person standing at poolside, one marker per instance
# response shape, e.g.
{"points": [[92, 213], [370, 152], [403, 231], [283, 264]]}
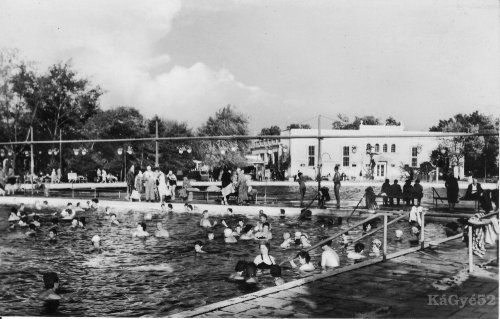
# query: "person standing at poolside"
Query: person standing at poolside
{"points": [[336, 183], [99, 173], [172, 183], [130, 178], [242, 187], [452, 191], [139, 183], [150, 183], [302, 188]]}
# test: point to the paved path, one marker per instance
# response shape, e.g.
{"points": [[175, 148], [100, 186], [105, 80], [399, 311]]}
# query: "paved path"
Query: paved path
{"points": [[402, 287]]}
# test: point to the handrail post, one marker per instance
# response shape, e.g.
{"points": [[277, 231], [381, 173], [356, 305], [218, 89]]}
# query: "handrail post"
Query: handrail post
{"points": [[471, 256], [385, 236], [422, 231]]}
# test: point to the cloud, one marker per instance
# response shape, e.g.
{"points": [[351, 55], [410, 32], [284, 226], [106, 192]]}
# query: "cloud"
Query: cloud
{"points": [[113, 43]]}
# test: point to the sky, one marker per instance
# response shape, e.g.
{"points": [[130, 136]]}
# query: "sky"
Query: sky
{"points": [[278, 62]]}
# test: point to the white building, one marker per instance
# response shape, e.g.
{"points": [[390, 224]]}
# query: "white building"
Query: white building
{"points": [[390, 151]]}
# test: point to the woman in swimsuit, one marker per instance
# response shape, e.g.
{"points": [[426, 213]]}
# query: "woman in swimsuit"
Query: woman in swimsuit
{"points": [[264, 260]]}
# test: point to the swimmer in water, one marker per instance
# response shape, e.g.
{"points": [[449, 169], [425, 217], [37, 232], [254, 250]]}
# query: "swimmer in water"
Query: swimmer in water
{"points": [[96, 244], [228, 216], [305, 262], [74, 223], [94, 203], [376, 244], [357, 255], [205, 222], [237, 231], [265, 233], [276, 274], [160, 231], [68, 214], [141, 230], [148, 216], [13, 215], [21, 208], [260, 223], [240, 268], [188, 208], [51, 284], [287, 240], [170, 208], [399, 235], [329, 258], [198, 247], [304, 241], [31, 230], [23, 222], [45, 204], [52, 234], [296, 238], [113, 220], [264, 260], [107, 212], [38, 206], [247, 233], [210, 235], [228, 236], [36, 221], [251, 274]]}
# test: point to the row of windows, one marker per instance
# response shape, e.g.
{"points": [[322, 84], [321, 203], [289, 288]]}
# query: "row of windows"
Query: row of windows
{"points": [[384, 148], [346, 153]]}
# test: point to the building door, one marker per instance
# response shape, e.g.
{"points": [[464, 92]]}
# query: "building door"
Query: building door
{"points": [[381, 170]]}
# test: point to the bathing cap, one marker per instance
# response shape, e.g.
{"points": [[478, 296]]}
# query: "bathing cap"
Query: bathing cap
{"points": [[96, 238]]}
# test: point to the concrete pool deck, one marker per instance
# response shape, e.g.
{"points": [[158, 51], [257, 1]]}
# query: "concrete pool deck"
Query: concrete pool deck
{"points": [[402, 287]]}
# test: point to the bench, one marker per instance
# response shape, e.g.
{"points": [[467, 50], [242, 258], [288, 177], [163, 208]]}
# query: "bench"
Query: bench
{"points": [[403, 197], [436, 197]]}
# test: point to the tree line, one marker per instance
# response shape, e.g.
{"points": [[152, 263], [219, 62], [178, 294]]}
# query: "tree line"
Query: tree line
{"points": [[59, 103]]}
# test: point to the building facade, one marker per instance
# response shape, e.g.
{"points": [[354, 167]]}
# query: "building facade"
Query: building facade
{"points": [[358, 153]]}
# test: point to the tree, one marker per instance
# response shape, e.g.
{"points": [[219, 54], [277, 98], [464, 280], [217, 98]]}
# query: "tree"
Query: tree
{"points": [[480, 153], [116, 123], [169, 156], [14, 117], [226, 121], [345, 124], [273, 130], [299, 126], [390, 121]]}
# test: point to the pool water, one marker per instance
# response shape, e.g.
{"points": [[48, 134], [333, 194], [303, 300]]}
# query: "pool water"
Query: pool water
{"points": [[147, 277]]}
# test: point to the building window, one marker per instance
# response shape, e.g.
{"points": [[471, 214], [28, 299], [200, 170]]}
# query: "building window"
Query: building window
{"points": [[414, 157], [345, 159], [377, 148], [384, 148], [393, 148], [311, 156]]}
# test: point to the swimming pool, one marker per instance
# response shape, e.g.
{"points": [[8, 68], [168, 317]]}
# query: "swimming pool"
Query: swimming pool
{"points": [[145, 277]]}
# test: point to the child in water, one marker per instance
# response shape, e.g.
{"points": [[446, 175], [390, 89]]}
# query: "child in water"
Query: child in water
{"points": [[305, 262], [287, 240], [198, 247], [304, 241], [96, 244], [52, 235], [141, 230], [228, 236], [205, 222], [113, 220], [376, 244], [160, 231], [210, 235]]}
